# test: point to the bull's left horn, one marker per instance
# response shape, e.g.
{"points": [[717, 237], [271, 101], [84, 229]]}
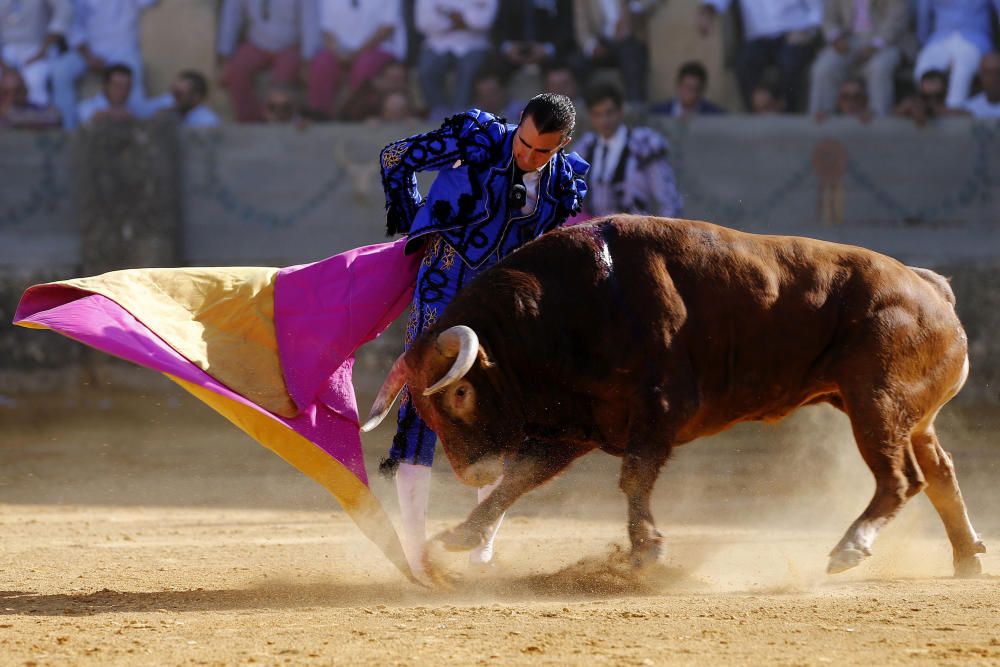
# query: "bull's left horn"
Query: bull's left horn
{"points": [[387, 394], [462, 343]]}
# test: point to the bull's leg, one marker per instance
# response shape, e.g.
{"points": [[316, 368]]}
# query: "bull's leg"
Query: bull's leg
{"points": [[537, 465], [885, 447], [653, 426], [942, 489], [483, 554], [639, 472], [650, 441]]}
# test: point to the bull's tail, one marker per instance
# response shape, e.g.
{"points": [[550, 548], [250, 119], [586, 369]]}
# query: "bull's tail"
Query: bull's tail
{"points": [[939, 282]]}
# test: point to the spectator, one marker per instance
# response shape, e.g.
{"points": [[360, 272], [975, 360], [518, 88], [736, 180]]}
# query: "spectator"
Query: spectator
{"points": [[16, 111], [776, 33], [692, 80], [954, 35], [105, 32], [559, 78], [852, 100], [113, 100], [367, 101], [630, 172], [281, 104], [987, 103], [397, 108], [30, 32], [456, 37], [187, 98], [767, 98], [929, 101], [611, 33], [862, 36], [359, 39], [279, 35], [490, 93], [531, 32]]}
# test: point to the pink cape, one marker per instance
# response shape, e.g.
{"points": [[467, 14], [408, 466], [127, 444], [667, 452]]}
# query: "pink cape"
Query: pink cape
{"points": [[322, 312]]}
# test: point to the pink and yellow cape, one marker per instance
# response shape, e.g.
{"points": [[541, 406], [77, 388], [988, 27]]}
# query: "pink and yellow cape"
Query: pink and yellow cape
{"points": [[272, 350]]}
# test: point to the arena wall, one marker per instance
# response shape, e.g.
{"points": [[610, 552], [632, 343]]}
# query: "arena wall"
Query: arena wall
{"points": [[146, 194]]}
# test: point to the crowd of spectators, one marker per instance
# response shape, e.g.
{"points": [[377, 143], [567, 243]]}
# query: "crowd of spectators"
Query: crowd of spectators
{"points": [[301, 61]]}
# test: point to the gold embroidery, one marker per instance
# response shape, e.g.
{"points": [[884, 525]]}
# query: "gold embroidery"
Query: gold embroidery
{"points": [[412, 323], [432, 251], [392, 154], [430, 317], [448, 260]]}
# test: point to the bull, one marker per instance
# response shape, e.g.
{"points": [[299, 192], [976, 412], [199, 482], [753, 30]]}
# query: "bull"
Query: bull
{"points": [[634, 335]]}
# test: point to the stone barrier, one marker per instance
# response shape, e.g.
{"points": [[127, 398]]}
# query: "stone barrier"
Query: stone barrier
{"points": [[117, 196]]}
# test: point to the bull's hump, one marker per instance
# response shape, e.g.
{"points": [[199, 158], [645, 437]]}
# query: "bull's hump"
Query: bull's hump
{"points": [[598, 234]]}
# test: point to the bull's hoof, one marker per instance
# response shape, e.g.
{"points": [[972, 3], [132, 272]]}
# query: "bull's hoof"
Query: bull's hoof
{"points": [[460, 538], [968, 564], [842, 560], [647, 554], [968, 567]]}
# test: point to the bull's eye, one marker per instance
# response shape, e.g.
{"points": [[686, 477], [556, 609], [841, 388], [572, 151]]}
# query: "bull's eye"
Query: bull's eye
{"points": [[460, 392]]}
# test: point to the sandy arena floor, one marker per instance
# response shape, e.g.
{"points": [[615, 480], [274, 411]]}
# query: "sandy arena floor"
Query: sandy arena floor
{"points": [[147, 531]]}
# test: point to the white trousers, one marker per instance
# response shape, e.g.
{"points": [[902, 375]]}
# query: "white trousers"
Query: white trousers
{"points": [[957, 56]]}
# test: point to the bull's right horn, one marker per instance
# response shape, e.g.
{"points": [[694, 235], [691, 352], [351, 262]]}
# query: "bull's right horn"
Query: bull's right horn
{"points": [[462, 343], [387, 394]]}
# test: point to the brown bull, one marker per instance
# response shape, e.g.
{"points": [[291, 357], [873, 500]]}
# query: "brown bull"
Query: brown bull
{"points": [[633, 335]]}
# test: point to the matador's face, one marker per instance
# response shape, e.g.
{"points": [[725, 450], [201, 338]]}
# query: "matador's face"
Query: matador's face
{"points": [[532, 149]]}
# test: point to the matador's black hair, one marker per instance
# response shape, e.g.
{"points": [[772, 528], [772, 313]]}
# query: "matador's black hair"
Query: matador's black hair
{"points": [[552, 113]]}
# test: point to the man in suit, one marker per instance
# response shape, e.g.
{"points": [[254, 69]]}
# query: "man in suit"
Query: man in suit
{"points": [[863, 38], [692, 80], [630, 172]]}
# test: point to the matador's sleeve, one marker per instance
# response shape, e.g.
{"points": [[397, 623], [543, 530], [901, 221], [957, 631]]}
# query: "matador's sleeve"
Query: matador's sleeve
{"points": [[474, 137]]}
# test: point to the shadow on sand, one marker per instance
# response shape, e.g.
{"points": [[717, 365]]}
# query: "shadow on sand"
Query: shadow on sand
{"points": [[593, 577]]}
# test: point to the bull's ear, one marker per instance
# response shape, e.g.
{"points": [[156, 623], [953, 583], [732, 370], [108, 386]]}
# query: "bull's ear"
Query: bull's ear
{"points": [[387, 394]]}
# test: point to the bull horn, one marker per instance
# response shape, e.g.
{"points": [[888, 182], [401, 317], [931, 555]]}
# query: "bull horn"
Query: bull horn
{"points": [[462, 343], [387, 394]]}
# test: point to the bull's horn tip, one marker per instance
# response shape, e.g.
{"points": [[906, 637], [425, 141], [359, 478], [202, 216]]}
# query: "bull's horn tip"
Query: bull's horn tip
{"points": [[373, 421]]}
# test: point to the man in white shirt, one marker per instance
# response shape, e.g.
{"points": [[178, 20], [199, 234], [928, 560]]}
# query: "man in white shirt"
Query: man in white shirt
{"points": [[456, 38], [359, 39], [186, 98], [987, 103], [105, 32], [30, 31], [113, 100], [776, 33], [630, 172]]}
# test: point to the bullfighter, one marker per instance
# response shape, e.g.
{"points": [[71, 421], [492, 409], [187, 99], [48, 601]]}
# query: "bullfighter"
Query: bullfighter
{"points": [[498, 186]]}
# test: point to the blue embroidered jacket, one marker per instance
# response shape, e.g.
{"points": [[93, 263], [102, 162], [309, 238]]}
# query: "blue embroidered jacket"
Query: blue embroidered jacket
{"points": [[468, 201]]}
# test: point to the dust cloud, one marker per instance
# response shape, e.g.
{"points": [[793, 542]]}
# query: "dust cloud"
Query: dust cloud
{"points": [[755, 508]]}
